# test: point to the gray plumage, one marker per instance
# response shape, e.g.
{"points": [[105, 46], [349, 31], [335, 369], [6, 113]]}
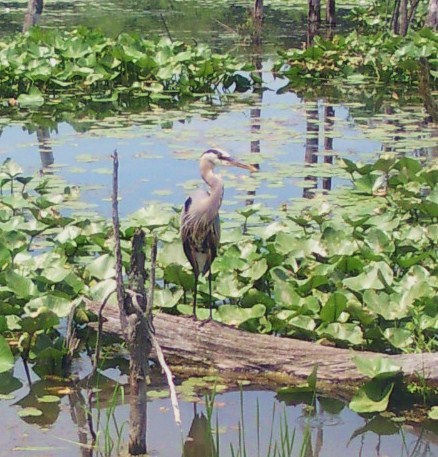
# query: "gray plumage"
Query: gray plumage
{"points": [[200, 224]]}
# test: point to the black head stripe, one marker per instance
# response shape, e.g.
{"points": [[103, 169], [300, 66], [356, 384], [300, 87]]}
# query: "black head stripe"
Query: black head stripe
{"points": [[214, 151]]}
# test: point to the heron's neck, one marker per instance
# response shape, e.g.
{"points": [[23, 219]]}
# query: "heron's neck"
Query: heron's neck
{"points": [[215, 183]]}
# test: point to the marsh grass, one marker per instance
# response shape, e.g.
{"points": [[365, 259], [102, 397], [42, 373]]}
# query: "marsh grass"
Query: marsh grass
{"points": [[284, 445]]}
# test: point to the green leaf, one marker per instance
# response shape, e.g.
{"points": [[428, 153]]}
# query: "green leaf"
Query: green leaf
{"points": [[433, 413], [103, 267], [335, 305], [166, 299], [255, 270], [377, 275], [49, 399], [234, 315], [372, 397], [49, 303], [376, 366], [31, 100], [6, 357], [22, 286], [345, 332], [400, 338], [30, 412]]}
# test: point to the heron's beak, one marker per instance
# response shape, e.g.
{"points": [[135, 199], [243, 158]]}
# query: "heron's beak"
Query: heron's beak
{"points": [[235, 163]]}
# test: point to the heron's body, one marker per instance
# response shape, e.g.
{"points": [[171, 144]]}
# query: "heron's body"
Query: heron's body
{"points": [[200, 224]]}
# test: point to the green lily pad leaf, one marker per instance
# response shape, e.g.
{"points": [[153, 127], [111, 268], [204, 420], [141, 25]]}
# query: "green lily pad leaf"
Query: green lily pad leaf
{"points": [[30, 412], [166, 299], [49, 399], [152, 216], [22, 286], [433, 413], [256, 270], [201, 313], [343, 332], [6, 357], [31, 100], [176, 274], [302, 322], [234, 315], [103, 267], [335, 305], [172, 253], [7, 396], [338, 243], [100, 291], [155, 394], [372, 397], [376, 366], [398, 337], [228, 286], [68, 234], [56, 304], [377, 275]]}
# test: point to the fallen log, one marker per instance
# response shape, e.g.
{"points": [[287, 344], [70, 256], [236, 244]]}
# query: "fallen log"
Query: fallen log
{"points": [[195, 344]]}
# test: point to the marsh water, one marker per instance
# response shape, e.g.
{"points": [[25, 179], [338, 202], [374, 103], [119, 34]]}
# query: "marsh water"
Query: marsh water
{"points": [[293, 136]]}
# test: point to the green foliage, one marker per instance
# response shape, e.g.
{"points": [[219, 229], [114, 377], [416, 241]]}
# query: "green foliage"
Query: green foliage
{"points": [[51, 66], [357, 267], [357, 58]]}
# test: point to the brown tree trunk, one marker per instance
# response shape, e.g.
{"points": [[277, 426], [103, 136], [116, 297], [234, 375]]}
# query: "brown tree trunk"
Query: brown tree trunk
{"points": [[395, 21], [136, 322], [331, 13], [257, 12], [314, 11], [432, 15], [403, 29], [430, 104], [33, 13], [139, 349]]}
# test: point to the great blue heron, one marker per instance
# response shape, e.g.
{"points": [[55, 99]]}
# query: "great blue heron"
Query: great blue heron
{"points": [[200, 225]]}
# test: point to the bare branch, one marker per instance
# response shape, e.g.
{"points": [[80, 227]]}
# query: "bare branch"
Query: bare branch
{"points": [[116, 228], [169, 376], [150, 304]]}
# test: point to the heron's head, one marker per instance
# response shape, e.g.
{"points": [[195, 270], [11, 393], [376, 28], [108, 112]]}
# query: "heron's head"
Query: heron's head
{"points": [[220, 157]]}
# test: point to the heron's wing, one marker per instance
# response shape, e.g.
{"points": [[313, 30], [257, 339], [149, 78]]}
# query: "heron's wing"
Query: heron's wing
{"points": [[200, 241], [211, 243]]}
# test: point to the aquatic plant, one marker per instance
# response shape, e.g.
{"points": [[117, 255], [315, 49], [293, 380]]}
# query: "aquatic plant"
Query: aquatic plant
{"points": [[51, 66], [380, 58]]}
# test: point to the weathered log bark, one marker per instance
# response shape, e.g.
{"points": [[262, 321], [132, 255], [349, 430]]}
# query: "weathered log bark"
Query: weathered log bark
{"points": [[212, 345]]}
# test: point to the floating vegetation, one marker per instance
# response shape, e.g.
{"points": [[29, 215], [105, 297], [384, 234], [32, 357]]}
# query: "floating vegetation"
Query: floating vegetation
{"points": [[356, 58], [52, 66]]}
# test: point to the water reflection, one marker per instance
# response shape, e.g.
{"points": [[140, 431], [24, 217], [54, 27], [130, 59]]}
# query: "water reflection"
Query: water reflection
{"points": [[325, 428], [199, 441]]}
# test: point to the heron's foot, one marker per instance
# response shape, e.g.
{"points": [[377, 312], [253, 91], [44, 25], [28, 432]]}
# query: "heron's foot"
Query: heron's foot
{"points": [[207, 321]]}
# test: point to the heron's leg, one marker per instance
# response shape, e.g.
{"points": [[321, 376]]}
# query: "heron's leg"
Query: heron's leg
{"points": [[209, 291], [194, 297]]}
